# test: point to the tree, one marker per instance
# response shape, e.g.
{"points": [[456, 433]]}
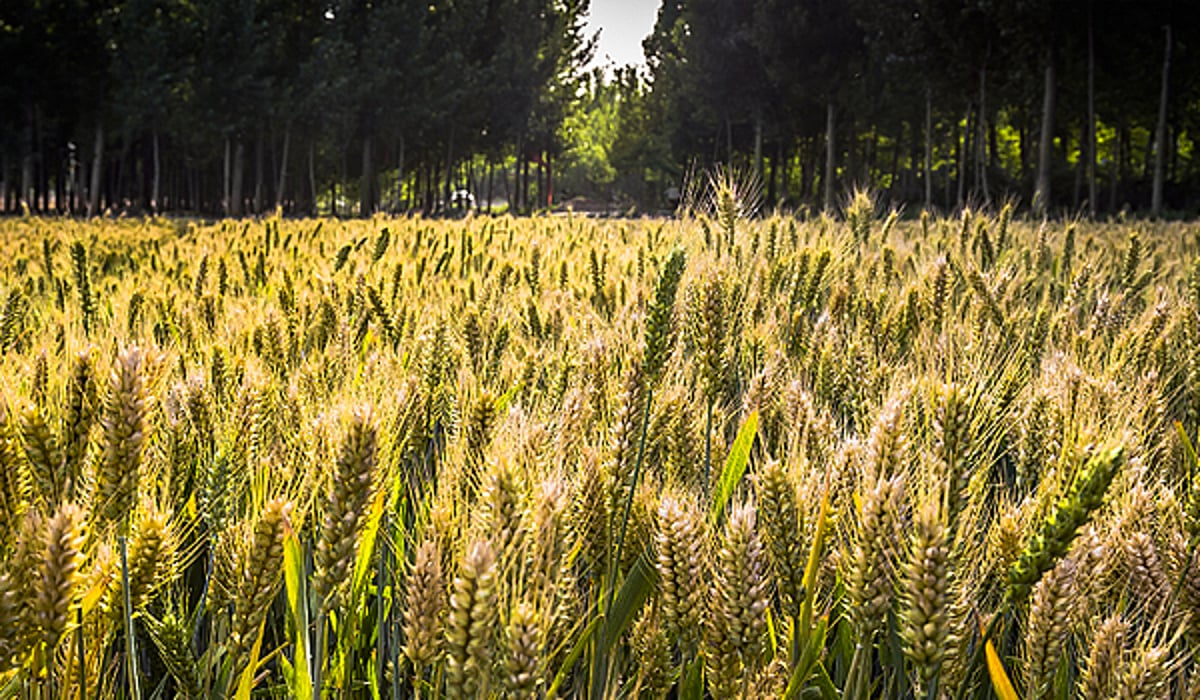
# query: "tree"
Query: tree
{"points": [[589, 132], [1160, 131], [814, 54], [218, 107]]}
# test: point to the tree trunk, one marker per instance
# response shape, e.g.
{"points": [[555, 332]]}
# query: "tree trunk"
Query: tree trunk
{"points": [[146, 181], [400, 176], [239, 171], [312, 180], [916, 146], [508, 193], [70, 182], [155, 183], [981, 139], [259, 172], [119, 189], [1115, 174], [947, 180], [36, 188], [1023, 147], [424, 183], [55, 191], [771, 190], [226, 189], [41, 180], [489, 186], [850, 166], [431, 188], [1172, 153], [785, 174], [829, 155], [894, 182], [541, 179], [514, 198], [729, 141], [467, 171], [1041, 193], [964, 148], [1080, 169], [1091, 119], [928, 148], [112, 183], [193, 190], [524, 189], [449, 166], [366, 198], [806, 174], [758, 145], [1160, 132], [97, 163], [27, 198], [281, 181], [868, 155]]}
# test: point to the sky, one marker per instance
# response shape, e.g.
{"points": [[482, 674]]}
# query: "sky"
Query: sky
{"points": [[622, 24]]}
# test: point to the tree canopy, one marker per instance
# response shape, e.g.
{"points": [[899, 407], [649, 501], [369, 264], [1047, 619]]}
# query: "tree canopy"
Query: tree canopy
{"points": [[355, 106], [932, 102], [237, 106]]}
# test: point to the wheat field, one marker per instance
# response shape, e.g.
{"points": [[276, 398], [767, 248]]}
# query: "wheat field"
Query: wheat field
{"points": [[853, 456]]}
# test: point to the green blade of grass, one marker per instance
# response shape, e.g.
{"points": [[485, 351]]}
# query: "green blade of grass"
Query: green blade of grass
{"points": [[735, 467], [808, 661], [366, 547], [297, 600], [691, 685], [828, 690], [1000, 681], [12, 687], [135, 686], [246, 682], [1189, 448], [637, 587], [569, 663], [814, 564]]}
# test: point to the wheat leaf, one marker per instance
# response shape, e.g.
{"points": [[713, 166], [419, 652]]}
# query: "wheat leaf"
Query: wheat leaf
{"points": [[735, 467], [1000, 682]]}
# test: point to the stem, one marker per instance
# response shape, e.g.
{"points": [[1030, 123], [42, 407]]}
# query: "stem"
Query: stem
{"points": [[393, 637], [79, 652], [601, 665], [381, 573], [319, 651], [135, 688], [637, 470], [977, 652], [794, 652], [855, 677]]}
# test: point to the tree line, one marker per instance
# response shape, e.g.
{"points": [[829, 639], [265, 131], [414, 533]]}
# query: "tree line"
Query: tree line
{"points": [[245, 106], [1071, 105], [237, 107]]}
